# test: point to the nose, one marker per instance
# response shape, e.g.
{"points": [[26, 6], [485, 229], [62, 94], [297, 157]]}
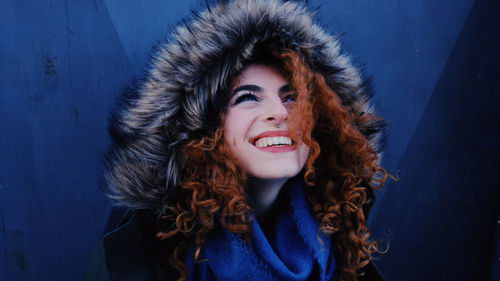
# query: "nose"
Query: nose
{"points": [[276, 112]]}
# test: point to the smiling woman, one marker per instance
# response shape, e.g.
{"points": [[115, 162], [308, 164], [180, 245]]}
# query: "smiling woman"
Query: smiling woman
{"points": [[255, 129], [252, 158]]}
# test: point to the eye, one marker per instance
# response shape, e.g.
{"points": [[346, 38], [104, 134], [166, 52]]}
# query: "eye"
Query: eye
{"points": [[245, 97], [289, 97]]}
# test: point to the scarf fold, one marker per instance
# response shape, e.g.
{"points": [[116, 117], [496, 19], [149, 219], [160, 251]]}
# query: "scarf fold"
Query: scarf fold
{"points": [[291, 251]]}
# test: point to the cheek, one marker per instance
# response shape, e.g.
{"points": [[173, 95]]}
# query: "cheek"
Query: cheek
{"points": [[303, 154], [228, 129], [234, 129]]}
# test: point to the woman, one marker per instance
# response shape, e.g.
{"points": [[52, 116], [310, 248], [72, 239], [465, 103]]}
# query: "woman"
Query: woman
{"points": [[249, 152]]}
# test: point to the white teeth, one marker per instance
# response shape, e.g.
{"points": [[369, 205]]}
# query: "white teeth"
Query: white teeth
{"points": [[273, 141]]}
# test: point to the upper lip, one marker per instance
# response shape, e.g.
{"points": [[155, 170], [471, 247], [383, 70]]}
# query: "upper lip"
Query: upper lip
{"points": [[282, 133]]}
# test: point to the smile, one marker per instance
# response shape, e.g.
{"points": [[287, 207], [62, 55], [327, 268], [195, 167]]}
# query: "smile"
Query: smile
{"points": [[274, 141]]}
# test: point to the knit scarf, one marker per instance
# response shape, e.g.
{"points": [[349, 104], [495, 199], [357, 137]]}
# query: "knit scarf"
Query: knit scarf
{"points": [[290, 251]]}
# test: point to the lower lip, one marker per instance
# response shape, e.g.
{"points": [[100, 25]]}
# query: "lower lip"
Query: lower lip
{"points": [[277, 149]]}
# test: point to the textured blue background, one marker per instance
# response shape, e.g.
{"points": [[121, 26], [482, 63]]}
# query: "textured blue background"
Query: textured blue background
{"points": [[435, 69]]}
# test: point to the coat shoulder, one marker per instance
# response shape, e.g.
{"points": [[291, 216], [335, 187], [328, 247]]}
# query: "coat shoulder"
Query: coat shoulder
{"points": [[131, 252]]}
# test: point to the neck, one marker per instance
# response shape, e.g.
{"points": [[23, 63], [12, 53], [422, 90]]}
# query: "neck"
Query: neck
{"points": [[263, 193]]}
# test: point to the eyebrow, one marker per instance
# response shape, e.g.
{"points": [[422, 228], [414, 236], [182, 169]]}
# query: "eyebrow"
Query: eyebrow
{"points": [[254, 88], [285, 89]]}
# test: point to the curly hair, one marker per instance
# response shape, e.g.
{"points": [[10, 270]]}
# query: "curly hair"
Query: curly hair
{"points": [[341, 167]]}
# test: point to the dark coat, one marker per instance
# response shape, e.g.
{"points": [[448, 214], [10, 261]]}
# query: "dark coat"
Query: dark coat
{"points": [[131, 253]]}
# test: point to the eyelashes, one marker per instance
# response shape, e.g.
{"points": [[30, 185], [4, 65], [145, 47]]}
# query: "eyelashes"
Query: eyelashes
{"points": [[251, 96], [289, 97]]}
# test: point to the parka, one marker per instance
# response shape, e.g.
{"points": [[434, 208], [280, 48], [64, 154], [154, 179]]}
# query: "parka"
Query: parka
{"points": [[179, 100]]}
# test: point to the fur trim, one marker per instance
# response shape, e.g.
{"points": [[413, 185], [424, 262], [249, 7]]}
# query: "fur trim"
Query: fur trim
{"points": [[178, 98]]}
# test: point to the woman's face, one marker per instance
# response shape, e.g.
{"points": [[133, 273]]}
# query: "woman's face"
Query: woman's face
{"points": [[255, 125]]}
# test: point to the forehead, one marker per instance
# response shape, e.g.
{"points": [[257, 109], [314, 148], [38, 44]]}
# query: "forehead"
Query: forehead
{"points": [[261, 75]]}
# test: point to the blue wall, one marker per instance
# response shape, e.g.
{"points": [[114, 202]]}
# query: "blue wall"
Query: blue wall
{"points": [[435, 69]]}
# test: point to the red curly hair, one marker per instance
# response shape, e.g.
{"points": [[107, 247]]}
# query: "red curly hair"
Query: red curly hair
{"points": [[340, 167]]}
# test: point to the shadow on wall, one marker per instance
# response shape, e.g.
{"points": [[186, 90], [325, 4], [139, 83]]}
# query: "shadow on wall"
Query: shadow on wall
{"points": [[441, 218]]}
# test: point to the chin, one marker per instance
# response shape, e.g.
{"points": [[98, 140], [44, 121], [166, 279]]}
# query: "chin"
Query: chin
{"points": [[268, 173]]}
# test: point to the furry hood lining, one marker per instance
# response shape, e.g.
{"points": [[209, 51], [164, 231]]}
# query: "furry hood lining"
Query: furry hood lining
{"points": [[177, 100]]}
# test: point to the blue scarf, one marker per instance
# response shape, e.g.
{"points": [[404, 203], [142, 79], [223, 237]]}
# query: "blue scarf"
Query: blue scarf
{"points": [[291, 251]]}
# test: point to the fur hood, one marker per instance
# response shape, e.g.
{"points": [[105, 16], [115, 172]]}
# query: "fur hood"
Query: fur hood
{"points": [[177, 100]]}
